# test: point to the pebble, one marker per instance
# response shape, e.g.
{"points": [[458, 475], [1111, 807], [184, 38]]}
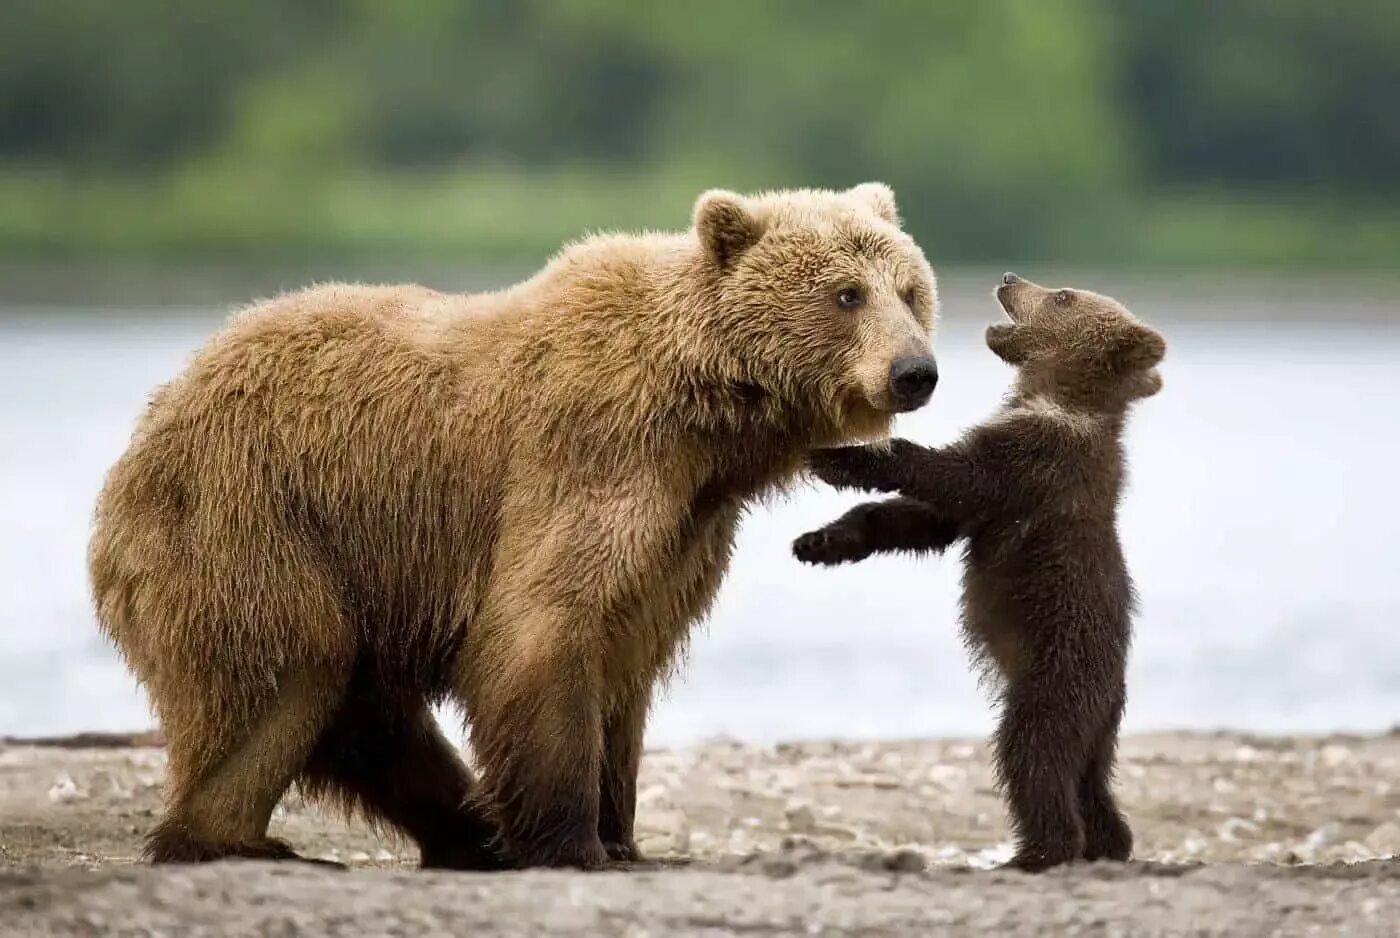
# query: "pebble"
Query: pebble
{"points": [[946, 775], [1333, 756], [1322, 837], [1384, 840], [674, 828], [658, 795], [64, 789], [989, 857], [1232, 827], [801, 819], [741, 842], [903, 860]]}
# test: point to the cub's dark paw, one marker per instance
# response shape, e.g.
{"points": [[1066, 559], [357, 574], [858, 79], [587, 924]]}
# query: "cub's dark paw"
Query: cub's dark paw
{"points": [[1107, 837], [830, 545], [623, 851], [1036, 857], [849, 467]]}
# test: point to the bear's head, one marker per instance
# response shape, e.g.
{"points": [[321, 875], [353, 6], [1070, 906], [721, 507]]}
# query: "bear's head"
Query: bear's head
{"points": [[825, 305], [1075, 347]]}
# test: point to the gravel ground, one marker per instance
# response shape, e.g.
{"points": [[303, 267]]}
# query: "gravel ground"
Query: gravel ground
{"points": [[1237, 835]]}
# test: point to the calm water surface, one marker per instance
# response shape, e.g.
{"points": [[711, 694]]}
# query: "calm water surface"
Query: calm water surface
{"points": [[1260, 525]]}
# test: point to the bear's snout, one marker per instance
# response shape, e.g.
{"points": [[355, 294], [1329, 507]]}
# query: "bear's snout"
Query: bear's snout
{"points": [[912, 380], [1009, 278]]}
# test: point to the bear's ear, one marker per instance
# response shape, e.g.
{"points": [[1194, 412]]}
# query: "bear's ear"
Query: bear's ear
{"points": [[879, 198], [726, 226], [1137, 348]]}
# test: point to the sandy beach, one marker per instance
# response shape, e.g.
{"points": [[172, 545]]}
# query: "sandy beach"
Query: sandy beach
{"points": [[1235, 835]]}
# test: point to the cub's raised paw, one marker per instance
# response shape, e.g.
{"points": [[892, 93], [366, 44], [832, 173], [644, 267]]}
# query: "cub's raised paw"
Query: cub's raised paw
{"points": [[848, 467], [830, 545]]}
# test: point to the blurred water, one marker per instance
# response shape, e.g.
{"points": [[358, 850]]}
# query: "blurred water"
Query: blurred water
{"points": [[1260, 525]]}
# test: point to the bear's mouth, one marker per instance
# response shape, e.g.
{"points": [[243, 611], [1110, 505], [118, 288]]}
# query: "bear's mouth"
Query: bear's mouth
{"points": [[1003, 294]]}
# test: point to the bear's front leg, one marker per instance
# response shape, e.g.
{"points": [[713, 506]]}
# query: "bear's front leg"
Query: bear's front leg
{"points": [[536, 729], [556, 647]]}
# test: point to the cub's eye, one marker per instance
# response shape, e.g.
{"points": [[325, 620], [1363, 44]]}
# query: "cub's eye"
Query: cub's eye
{"points": [[1064, 297], [850, 298], [910, 297]]}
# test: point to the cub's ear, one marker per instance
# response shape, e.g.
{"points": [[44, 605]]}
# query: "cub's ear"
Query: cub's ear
{"points": [[726, 226], [879, 198], [1138, 347], [1009, 341]]}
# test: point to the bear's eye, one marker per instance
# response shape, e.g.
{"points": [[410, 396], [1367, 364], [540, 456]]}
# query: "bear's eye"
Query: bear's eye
{"points": [[850, 298], [910, 297], [1064, 297]]}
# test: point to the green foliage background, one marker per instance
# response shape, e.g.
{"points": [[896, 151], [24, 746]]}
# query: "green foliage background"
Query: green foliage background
{"points": [[1134, 132]]}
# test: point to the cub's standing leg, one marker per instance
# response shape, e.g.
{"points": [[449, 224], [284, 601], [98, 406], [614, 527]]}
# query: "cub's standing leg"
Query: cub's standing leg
{"points": [[1052, 715], [1107, 834], [394, 766], [898, 524]]}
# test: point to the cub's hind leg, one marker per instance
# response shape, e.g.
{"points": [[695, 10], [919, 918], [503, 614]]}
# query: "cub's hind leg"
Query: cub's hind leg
{"points": [[1106, 832], [1050, 725]]}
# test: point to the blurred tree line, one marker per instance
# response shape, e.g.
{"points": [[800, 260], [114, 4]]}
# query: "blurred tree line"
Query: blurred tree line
{"points": [[1130, 131]]}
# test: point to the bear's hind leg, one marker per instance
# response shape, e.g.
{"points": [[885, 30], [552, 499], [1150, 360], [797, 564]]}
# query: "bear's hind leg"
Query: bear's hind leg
{"points": [[400, 770], [1041, 748], [226, 776], [618, 787], [1107, 834]]}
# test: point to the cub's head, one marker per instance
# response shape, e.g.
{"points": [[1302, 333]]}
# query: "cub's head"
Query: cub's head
{"points": [[1074, 346], [824, 304]]}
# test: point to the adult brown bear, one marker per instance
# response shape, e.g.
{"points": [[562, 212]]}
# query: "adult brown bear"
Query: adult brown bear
{"points": [[358, 501]]}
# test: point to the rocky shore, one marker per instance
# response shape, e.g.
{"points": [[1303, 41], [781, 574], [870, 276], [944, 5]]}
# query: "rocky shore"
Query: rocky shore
{"points": [[1235, 835]]}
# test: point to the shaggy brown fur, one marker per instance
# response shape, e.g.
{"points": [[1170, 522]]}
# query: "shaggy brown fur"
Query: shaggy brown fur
{"points": [[358, 501], [1047, 601]]}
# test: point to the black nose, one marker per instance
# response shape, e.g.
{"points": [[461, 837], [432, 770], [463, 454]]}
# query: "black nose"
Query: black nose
{"points": [[912, 380], [1009, 278]]}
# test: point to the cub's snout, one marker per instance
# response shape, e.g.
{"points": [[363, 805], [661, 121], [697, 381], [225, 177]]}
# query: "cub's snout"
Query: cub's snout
{"points": [[912, 380], [1006, 293]]}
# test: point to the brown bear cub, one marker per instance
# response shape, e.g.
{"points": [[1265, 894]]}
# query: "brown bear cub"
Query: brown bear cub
{"points": [[1047, 600], [359, 501]]}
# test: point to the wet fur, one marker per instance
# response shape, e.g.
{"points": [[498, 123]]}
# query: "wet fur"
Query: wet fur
{"points": [[359, 501], [1047, 600]]}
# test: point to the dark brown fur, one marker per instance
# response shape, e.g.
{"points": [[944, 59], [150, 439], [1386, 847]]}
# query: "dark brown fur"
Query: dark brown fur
{"points": [[359, 501], [1047, 601]]}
